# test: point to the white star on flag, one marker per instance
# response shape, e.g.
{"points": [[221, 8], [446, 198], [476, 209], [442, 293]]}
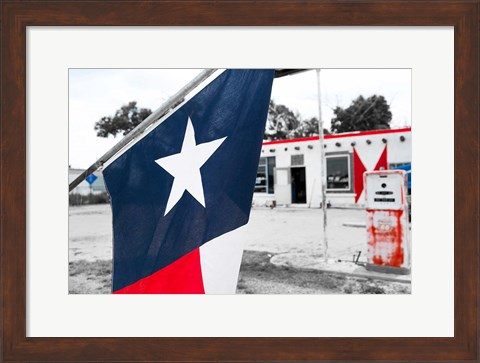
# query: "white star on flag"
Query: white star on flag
{"points": [[185, 167]]}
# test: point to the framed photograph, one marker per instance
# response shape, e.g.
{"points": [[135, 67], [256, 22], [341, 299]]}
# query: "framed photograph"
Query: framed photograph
{"points": [[52, 52], [283, 248]]}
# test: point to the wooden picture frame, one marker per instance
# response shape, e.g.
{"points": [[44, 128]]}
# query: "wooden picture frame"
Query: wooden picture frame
{"points": [[18, 15]]}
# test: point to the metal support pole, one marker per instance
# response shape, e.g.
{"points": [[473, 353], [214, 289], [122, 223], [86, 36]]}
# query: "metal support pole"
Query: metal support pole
{"points": [[171, 103], [322, 169]]}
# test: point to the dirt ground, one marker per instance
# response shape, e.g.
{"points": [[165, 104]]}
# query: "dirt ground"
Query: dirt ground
{"points": [[257, 276], [270, 232]]}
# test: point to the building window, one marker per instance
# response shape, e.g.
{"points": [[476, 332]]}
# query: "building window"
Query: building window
{"points": [[264, 182], [396, 165], [338, 172]]}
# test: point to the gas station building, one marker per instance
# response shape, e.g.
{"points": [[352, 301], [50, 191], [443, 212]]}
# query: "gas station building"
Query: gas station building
{"points": [[289, 172]]}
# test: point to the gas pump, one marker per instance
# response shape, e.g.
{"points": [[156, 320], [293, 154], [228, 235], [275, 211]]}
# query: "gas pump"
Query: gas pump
{"points": [[388, 235]]}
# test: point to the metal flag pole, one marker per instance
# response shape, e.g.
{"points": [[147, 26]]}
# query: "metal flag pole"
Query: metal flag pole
{"points": [[172, 102], [322, 169]]}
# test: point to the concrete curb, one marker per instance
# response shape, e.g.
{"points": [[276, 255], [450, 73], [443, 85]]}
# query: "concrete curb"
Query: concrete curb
{"points": [[315, 262]]}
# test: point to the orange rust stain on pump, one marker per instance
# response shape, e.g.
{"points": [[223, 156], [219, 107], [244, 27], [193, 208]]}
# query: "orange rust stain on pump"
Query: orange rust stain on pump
{"points": [[385, 238]]}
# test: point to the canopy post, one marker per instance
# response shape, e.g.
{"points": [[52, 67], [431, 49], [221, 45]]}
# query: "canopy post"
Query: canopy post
{"points": [[322, 169]]}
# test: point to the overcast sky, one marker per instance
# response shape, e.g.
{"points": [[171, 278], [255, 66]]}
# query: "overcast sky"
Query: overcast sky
{"points": [[94, 93]]}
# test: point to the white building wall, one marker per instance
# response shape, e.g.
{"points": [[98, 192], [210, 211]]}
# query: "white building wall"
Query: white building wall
{"points": [[368, 145]]}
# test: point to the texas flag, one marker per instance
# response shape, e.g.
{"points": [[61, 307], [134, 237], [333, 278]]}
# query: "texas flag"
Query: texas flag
{"points": [[181, 194]]}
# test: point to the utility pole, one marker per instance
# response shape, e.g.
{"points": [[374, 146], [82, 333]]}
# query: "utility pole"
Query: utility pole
{"points": [[322, 169]]}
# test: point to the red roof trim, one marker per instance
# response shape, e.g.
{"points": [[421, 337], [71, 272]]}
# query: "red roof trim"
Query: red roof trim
{"points": [[312, 138], [337, 136]]}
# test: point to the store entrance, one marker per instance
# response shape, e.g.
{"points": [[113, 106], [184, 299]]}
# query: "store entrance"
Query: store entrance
{"points": [[299, 185]]}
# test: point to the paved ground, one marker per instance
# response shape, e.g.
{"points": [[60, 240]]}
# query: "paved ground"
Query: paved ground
{"points": [[90, 232], [297, 230], [280, 230]]}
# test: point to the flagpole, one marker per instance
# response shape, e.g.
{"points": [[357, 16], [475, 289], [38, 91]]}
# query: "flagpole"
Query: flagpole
{"points": [[322, 169], [172, 102]]}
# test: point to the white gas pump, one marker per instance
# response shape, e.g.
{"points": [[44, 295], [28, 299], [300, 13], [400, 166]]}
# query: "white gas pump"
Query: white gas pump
{"points": [[388, 235]]}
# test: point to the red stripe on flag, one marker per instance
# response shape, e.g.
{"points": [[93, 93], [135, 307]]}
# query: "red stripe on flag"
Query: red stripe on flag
{"points": [[184, 276]]}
